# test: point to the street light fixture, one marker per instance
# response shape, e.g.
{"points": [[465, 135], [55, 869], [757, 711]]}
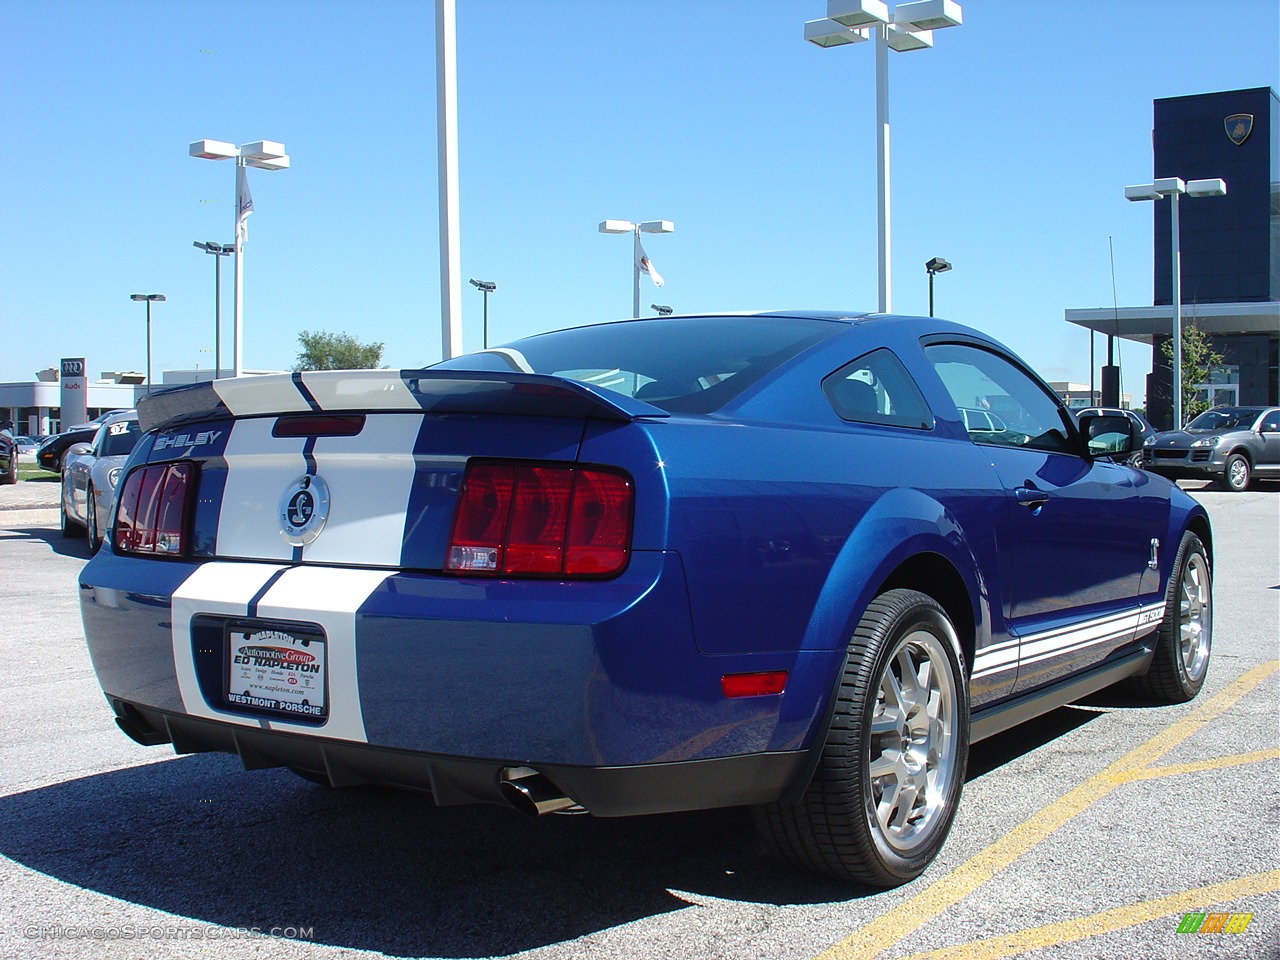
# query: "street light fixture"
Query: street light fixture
{"points": [[486, 287], [641, 258], [218, 250], [910, 27], [1173, 188], [662, 309], [936, 265], [148, 298], [264, 155]]}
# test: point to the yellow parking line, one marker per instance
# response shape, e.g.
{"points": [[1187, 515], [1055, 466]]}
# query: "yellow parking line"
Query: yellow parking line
{"points": [[889, 928], [1235, 760], [1108, 921]]}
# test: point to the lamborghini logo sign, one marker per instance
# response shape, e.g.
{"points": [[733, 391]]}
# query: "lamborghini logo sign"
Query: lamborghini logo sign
{"points": [[1239, 126]]}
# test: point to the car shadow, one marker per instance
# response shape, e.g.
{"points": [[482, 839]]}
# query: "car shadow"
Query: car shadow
{"points": [[382, 870], [64, 546], [994, 752]]}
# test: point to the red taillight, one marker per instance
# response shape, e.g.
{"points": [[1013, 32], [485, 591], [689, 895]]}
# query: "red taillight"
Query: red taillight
{"points": [[152, 508], [541, 520]]}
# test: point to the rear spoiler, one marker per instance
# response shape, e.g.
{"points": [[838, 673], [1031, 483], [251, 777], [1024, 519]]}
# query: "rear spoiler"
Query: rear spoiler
{"points": [[386, 391]]}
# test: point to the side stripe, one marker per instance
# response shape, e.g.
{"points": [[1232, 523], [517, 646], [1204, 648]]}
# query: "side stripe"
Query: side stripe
{"points": [[1058, 641]]}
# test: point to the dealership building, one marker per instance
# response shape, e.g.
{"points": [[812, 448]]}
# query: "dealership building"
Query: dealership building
{"points": [[66, 395], [1230, 249]]}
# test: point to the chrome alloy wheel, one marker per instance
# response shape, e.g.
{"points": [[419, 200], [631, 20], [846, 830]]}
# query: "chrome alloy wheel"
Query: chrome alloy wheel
{"points": [[1195, 616], [913, 741], [1237, 473]]}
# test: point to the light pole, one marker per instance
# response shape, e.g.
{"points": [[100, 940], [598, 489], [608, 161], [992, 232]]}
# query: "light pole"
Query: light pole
{"points": [[148, 298], [641, 259], [219, 250], [910, 27], [265, 155], [662, 309], [447, 167], [1173, 188], [486, 287], [936, 265]]}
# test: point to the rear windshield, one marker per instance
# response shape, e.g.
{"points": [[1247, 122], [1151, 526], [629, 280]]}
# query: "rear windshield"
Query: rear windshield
{"points": [[120, 439], [684, 365]]}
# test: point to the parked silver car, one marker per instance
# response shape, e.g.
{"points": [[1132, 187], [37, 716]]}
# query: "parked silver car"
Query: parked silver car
{"points": [[90, 474], [1229, 444]]}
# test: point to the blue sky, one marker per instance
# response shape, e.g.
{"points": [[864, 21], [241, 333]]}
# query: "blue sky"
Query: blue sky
{"points": [[1012, 141]]}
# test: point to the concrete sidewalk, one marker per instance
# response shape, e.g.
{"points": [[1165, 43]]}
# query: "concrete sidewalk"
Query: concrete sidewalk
{"points": [[30, 502]]}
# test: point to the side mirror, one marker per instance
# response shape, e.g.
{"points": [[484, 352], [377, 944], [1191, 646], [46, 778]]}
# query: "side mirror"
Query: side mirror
{"points": [[1109, 436], [77, 450]]}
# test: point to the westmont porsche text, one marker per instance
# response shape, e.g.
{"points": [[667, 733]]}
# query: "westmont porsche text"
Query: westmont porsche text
{"points": [[796, 561]]}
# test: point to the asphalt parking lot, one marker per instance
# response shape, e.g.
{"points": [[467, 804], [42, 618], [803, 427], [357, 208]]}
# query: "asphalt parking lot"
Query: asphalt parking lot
{"points": [[1093, 832]]}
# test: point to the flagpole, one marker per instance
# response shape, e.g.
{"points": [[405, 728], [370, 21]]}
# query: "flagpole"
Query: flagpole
{"points": [[236, 352], [635, 269]]}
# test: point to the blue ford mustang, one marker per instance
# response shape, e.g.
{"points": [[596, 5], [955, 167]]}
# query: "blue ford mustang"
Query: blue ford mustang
{"points": [[794, 560]]}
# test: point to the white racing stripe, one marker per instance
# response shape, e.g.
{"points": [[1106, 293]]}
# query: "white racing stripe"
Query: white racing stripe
{"points": [[245, 396], [370, 477], [1047, 644], [259, 468], [359, 390], [327, 596]]}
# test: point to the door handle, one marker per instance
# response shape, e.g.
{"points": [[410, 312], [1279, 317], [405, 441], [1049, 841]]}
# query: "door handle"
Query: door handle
{"points": [[1030, 497]]}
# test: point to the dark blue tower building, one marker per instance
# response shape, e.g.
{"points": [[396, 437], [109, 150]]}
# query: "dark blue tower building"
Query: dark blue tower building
{"points": [[1230, 247]]}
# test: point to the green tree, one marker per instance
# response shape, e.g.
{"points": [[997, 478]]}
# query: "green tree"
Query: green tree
{"points": [[1198, 361], [336, 351]]}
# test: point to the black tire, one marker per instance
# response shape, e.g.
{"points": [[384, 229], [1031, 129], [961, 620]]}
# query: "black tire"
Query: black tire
{"points": [[91, 522], [1237, 473], [10, 474], [70, 527], [847, 825], [1181, 661]]}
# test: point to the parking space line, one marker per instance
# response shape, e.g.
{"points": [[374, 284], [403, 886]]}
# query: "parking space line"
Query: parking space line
{"points": [[1108, 921], [891, 927], [1218, 763]]}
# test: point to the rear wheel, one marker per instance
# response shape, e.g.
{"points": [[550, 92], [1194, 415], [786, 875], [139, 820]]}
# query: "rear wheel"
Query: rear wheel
{"points": [[1236, 473], [885, 792], [70, 526], [91, 522], [1183, 642], [10, 474]]}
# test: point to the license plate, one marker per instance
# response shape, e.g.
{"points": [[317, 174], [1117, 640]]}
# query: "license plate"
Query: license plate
{"points": [[277, 671]]}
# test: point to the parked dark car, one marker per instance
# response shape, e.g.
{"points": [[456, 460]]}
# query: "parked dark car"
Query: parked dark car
{"points": [[8, 458], [647, 566], [52, 453], [1231, 445]]}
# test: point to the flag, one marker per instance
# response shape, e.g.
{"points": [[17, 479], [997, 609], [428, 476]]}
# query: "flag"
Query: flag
{"points": [[642, 261], [244, 204]]}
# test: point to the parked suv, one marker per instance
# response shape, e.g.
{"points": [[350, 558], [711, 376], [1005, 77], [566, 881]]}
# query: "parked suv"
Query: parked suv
{"points": [[1229, 444]]}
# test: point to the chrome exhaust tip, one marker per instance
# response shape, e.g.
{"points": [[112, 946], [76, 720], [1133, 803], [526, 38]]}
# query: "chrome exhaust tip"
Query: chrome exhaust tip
{"points": [[533, 794]]}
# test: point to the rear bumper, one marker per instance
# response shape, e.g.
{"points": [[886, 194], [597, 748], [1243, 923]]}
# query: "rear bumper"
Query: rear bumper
{"points": [[438, 683], [618, 791]]}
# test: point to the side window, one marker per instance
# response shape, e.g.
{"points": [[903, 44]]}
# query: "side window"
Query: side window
{"points": [[876, 388], [1271, 424], [998, 402]]}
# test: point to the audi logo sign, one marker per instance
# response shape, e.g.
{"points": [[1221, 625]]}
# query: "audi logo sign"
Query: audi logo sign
{"points": [[73, 368]]}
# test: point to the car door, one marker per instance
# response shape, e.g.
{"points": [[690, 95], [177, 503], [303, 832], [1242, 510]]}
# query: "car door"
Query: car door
{"points": [[1074, 534]]}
